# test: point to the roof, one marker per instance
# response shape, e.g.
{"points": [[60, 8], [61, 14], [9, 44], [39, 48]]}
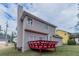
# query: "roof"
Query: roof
{"points": [[57, 36], [36, 18], [63, 31]]}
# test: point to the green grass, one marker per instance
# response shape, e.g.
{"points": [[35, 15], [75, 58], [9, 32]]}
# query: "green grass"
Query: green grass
{"points": [[72, 50], [65, 51], [14, 52]]}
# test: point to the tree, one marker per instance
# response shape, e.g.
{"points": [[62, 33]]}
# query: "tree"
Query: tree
{"points": [[12, 36], [6, 30], [71, 42], [77, 26], [0, 28]]}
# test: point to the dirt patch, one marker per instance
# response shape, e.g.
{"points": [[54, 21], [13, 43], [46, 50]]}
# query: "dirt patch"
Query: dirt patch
{"points": [[4, 46]]}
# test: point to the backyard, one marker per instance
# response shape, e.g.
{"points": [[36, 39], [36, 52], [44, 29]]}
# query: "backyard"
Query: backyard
{"points": [[65, 50]]}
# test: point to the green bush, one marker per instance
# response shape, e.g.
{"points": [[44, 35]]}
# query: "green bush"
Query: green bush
{"points": [[71, 42]]}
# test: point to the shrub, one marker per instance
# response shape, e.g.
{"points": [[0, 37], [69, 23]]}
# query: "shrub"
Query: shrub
{"points": [[71, 42]]}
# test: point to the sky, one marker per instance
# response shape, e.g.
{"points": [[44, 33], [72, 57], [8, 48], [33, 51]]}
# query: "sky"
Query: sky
{"points": [[8, 14], [63, 15]]}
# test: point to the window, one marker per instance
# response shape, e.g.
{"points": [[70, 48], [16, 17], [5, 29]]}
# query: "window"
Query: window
{"points": [[40, 38], [35, 37], [46, 26], [30, 21]]}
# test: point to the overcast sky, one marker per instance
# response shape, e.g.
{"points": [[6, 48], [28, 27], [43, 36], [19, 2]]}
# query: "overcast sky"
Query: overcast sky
{"points": [[63, 15]]}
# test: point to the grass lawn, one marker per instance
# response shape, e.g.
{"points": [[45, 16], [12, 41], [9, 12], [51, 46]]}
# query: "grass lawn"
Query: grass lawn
{"points": [[72, 50]]}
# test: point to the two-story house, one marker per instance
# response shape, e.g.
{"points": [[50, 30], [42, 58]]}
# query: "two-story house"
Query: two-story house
{"points": [[30, 27]]}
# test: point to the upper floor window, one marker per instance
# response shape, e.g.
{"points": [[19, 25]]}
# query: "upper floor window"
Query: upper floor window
{"points": [[46, 26], [30, 21]]}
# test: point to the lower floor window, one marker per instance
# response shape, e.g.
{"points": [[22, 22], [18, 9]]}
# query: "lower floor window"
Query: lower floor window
{"points": [[40, 38], [33, 36]]}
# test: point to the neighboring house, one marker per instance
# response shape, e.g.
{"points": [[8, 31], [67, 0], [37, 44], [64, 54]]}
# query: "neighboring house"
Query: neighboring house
{"points": [[77, 40], [58, 39], [65, 35], [30, 28], [75, 36]]}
